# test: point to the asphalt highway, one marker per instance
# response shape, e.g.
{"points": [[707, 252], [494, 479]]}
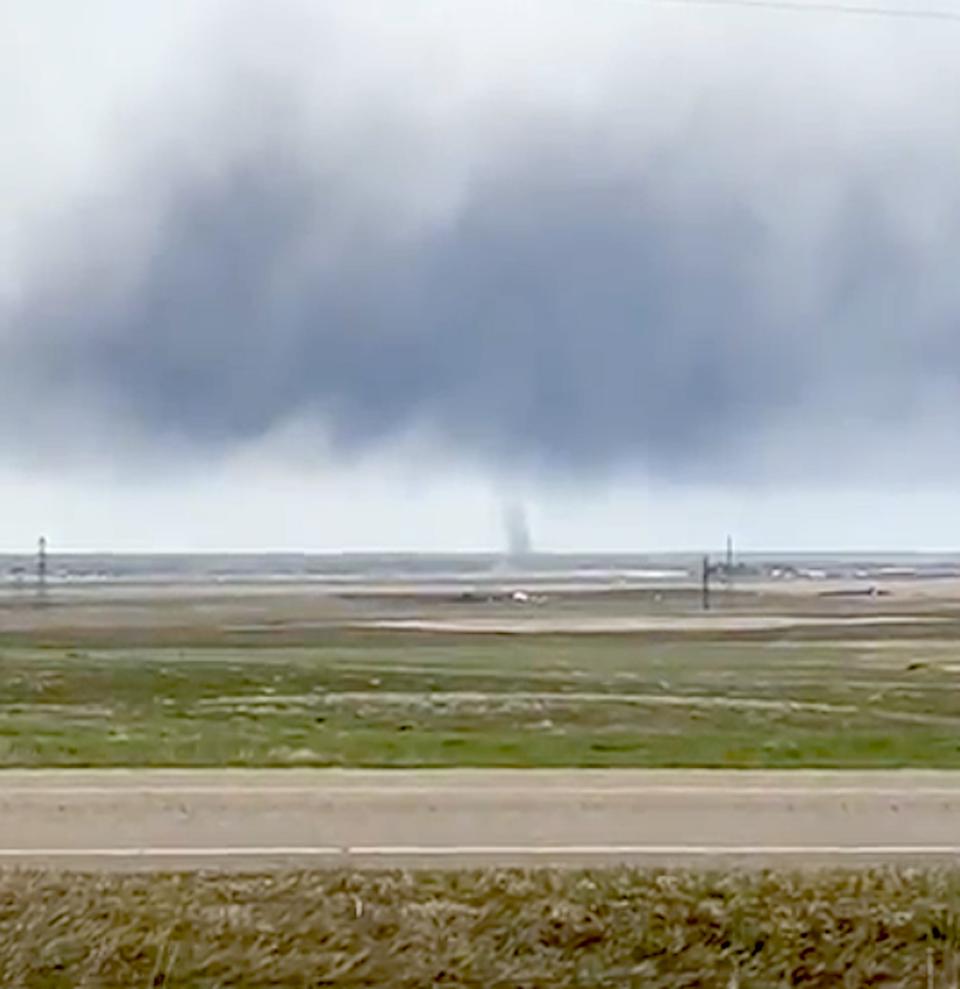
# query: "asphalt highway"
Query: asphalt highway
{"points": [[252, 820]]}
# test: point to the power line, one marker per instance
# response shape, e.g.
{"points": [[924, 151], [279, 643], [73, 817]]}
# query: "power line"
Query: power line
{"points": [[818, 7]]}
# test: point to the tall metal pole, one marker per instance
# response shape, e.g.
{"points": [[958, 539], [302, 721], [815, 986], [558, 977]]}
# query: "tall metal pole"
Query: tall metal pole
{"points": [[705, 583], [42, 564]]}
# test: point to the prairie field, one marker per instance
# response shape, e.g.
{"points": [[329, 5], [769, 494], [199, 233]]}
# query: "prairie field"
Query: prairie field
{"points": [[281, 679]]}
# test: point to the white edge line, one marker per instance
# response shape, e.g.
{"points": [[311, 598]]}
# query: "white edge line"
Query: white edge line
{"points": [[532, 792], [540, 851]]}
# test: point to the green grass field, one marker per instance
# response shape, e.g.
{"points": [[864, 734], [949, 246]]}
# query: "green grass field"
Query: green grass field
{"points": [[498, 928], [405, 699]]}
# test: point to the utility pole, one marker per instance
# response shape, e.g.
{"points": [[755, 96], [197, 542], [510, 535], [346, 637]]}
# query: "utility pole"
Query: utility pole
{"points": [[42, 564], [705, 573], [729, 555]]}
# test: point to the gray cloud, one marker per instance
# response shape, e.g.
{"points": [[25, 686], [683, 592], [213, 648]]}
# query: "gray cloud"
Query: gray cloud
{"points": [[718, 281]]}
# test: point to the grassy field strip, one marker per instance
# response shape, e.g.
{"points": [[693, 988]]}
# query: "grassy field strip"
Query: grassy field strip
{"points": [[450, 701]]}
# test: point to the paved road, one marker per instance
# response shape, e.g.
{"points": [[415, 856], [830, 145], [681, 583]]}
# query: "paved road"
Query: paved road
{"points": [[257, 819]]}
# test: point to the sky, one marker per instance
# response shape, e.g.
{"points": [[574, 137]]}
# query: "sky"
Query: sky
{"points": [[306, 274]]}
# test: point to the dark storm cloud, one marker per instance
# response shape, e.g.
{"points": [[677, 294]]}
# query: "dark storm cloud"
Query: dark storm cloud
{"points": [[580, 306]]}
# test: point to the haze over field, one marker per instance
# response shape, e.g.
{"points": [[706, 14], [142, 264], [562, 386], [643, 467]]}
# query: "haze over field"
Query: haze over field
{"points": [[659, 271]]}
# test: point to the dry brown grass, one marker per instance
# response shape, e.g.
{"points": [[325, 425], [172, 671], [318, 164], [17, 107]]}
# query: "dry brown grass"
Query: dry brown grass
{"points": [[494, 928]]}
